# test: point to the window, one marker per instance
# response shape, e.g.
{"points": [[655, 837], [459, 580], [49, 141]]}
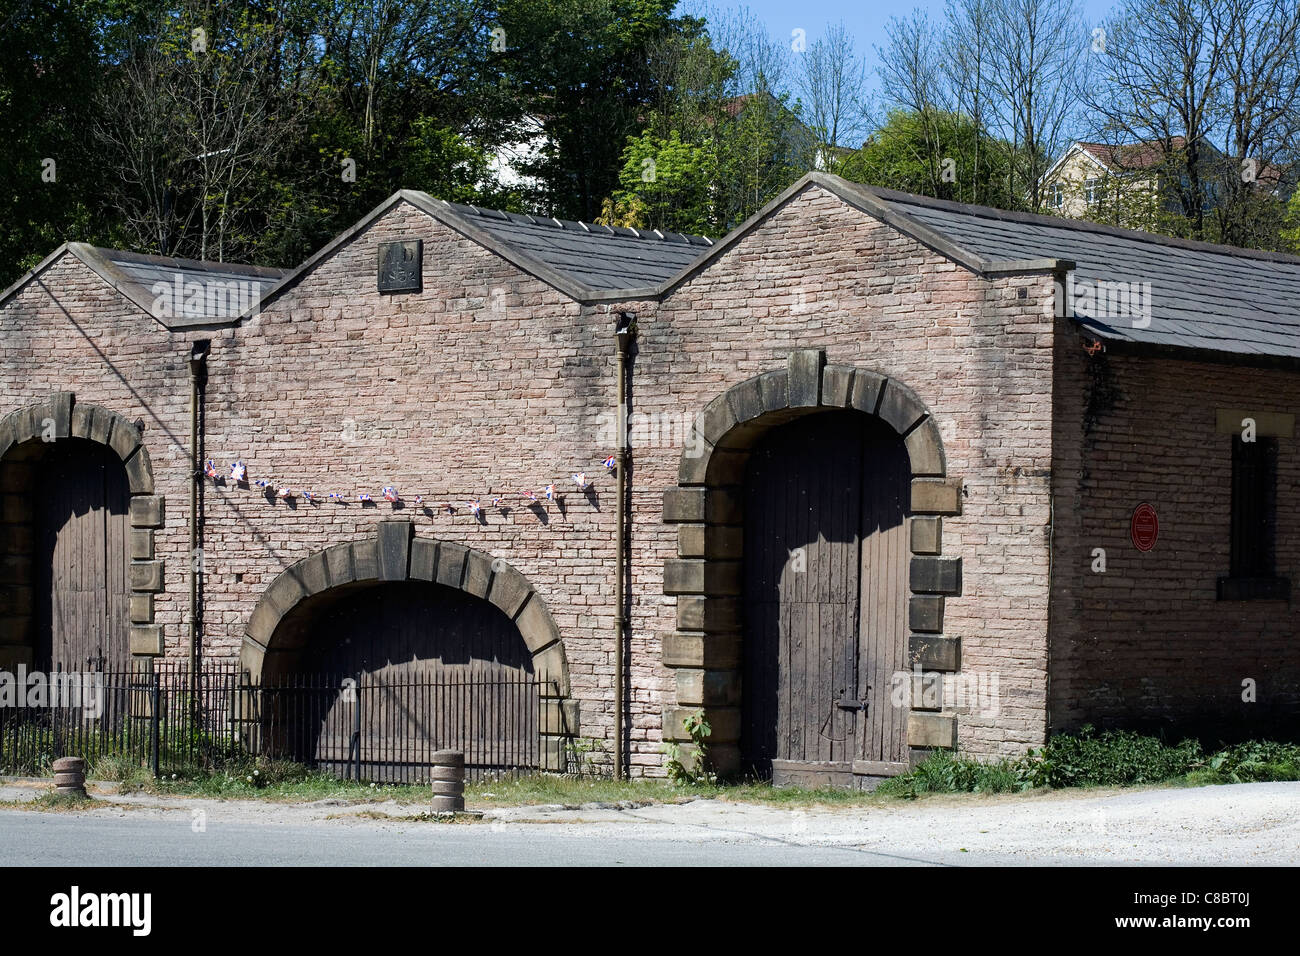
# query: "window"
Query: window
{"points": [[1252, 572], [1057, 196], [1092, 190]]}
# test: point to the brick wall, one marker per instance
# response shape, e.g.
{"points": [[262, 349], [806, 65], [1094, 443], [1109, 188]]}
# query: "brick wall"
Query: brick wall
{"points": [[68, 331], [488, 381], [1147, 643]]}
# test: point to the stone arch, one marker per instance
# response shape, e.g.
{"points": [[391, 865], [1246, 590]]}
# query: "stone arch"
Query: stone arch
{"points": [[707, 507], [395, 554], [62, 416]]}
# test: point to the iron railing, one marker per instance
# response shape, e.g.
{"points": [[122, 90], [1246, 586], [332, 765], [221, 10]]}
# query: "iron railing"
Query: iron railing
{"points": [[381, 727]]}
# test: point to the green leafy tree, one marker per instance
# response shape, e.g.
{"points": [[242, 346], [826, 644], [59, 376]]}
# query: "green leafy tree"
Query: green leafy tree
{"points": [[581, 68], [762, 149], [1290, 232], [51, 60], [665, 184], [942, 154]]}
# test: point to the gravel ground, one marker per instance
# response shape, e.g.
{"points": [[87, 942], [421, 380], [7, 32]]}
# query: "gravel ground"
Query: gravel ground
{"points": [[1257, 824]]}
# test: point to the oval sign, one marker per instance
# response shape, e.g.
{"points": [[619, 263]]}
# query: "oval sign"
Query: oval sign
{"points": [[1144, 528]]}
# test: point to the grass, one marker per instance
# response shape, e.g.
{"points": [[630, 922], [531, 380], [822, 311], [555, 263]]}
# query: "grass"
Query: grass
{"points": [[1086, 759], [61, 801], [1109, 759], [258, 779]]}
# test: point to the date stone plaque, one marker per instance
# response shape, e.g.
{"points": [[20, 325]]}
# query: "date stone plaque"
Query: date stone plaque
{"points": [[401, 266]]}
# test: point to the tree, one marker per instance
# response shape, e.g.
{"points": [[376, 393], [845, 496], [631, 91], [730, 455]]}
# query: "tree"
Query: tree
{"points": [[902, 155], [1015, 67], [913, 80], [1260, 119], [1037, 68], [193, 128], [581, 67], [746, 141], [967, 61], [1163, 62], [51, 57], [831, 82], [666, 184]]}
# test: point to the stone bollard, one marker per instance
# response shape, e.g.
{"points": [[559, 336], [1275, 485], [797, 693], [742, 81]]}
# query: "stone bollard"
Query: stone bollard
{"points": [[448, 781], [70, 776]]}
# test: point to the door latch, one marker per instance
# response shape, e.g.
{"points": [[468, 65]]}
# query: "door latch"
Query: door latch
{"points": [[848, 703]]}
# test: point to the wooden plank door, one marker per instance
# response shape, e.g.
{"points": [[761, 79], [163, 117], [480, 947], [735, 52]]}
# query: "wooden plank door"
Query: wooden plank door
{"points": [[886, 555], [397, 637], [83, 593], [803, 512]]}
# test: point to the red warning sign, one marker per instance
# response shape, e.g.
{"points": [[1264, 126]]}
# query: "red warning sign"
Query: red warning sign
{"points": [[1144, 528]]}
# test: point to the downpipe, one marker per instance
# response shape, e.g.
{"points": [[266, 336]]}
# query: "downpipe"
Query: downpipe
{"points": [[198, 381], [624, 333]]}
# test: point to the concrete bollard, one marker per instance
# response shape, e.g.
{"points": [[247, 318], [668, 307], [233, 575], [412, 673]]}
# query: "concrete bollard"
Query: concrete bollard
{"points": [[448, 781], [70, 776]]}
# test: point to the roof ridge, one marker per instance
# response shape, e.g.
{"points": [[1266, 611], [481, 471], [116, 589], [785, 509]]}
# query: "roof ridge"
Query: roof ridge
{"points": [[1078, 225], [206, 265], [625, 232]]}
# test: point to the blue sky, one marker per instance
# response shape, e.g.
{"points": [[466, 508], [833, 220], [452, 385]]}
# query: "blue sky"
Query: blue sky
{"points": [[865, 21]]}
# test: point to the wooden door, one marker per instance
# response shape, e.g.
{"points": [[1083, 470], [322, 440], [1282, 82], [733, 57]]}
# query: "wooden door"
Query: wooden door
{"points": [[824, 587], [882, 628], [430, 667], [83, 593], [413, 627]]}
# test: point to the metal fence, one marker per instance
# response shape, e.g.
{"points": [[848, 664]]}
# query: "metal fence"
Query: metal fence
{"points": [[381, 727]]}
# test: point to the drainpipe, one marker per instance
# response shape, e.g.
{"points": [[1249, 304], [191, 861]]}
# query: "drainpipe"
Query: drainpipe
{"points": [[198, 379], [624, 332]]}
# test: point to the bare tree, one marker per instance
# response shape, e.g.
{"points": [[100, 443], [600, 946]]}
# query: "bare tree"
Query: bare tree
{"points": [[200, 112], [1260, 118], [135, 125], [762, 60], [1164, 63], [967, 62], [830, 80], [1039, 50], [912, 77]]}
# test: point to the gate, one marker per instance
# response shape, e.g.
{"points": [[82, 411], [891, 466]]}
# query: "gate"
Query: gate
{"points": [[386, 727], [365, 727]]}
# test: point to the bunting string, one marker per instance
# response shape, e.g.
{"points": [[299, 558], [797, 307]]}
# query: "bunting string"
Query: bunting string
{"points": [[238, 477]]}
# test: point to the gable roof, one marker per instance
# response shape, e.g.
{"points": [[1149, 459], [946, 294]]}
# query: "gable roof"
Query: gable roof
{"points": [[179, 293], [1124, 157], [586, 262], [1215, 300], [1202, 296]]}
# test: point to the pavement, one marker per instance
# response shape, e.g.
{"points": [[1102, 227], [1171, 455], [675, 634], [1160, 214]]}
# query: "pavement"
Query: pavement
{"points": [[1251, 824]]}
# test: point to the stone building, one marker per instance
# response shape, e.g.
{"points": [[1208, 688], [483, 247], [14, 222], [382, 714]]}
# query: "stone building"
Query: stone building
{"points": [[901, 474]]}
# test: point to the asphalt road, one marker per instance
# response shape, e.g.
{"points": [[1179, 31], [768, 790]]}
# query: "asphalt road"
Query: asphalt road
{"points": [[1257, 824], [35, 839]]}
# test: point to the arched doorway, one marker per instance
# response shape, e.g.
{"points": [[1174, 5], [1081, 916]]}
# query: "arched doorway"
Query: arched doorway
{"points": [[78, 575], [82, 595], [390, 672], [782, 433], [825, 617], [377, 652]]}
